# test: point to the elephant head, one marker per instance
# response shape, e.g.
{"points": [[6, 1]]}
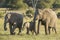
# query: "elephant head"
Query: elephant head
{"points": [[6, 19], [39, 15]]}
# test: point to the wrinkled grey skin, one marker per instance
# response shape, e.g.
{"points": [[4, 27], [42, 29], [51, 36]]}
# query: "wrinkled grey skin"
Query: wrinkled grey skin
{"points": [[15, 20], [29, 27], [48, 18]]}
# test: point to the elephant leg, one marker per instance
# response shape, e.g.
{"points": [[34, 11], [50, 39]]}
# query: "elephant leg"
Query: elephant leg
{"points": [[27, 31], [10, 26], [32, 32], [55, 29], [35, 31], [34, 28], [49, 29], [46, 27], [19, 31], [14, 27], [20, 27], [46, 30], [52, 28], [38, 27]]}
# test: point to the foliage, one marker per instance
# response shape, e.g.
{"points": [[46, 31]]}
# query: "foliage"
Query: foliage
{"points": [[42, 3], [28, 3], [20, 4], [29, 13], [56, 4], [15, 4]]}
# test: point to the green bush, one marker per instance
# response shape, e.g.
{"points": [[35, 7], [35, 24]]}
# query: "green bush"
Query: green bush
{"points": [[21, 5], [29, 13]]}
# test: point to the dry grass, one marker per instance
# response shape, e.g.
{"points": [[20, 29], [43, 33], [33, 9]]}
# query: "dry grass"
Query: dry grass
{"points": [[5, 35]]}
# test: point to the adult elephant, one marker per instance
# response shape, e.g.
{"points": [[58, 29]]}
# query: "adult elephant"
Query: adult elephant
{"points": [[15, 20], [48, 18]]}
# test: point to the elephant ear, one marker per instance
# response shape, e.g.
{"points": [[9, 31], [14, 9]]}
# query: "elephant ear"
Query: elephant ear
{"points": [[40, 14], [39, 10], [9, 15]]}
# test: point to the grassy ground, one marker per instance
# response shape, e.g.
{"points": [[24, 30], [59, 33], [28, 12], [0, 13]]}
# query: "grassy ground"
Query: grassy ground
{"points": [[5, 35]]}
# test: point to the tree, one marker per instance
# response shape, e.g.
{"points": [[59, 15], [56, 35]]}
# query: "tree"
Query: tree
{"points": [[56, 4], [41, 3], [1, 2], [15, 4]]}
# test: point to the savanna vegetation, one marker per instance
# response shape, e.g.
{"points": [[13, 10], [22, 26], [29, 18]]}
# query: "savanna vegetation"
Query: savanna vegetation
{"points": [[22, 6]]}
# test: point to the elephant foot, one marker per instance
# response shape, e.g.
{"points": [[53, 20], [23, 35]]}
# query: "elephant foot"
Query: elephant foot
{"points": [[12, 33], [19, 33], [46, 34], [55, 32], [5, 29], [27, 33], [36, 33]]}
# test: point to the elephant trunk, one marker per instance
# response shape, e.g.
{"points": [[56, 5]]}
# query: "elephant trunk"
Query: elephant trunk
{"points": [[5, 22]]}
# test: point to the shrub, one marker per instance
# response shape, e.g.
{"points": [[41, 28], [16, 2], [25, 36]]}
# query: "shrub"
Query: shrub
{"points": [[29, 13]]}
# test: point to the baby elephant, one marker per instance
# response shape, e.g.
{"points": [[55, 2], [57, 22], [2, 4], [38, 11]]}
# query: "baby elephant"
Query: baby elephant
{"points": [[30, 27]]}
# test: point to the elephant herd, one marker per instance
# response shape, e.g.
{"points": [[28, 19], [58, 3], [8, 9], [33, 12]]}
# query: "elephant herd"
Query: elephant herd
{"points": [[46, 17]]}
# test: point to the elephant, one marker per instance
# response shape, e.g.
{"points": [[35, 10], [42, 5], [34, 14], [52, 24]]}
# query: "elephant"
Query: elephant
{"points": [[29, 27], [58, 15], [15, 20], [48, 18]]}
